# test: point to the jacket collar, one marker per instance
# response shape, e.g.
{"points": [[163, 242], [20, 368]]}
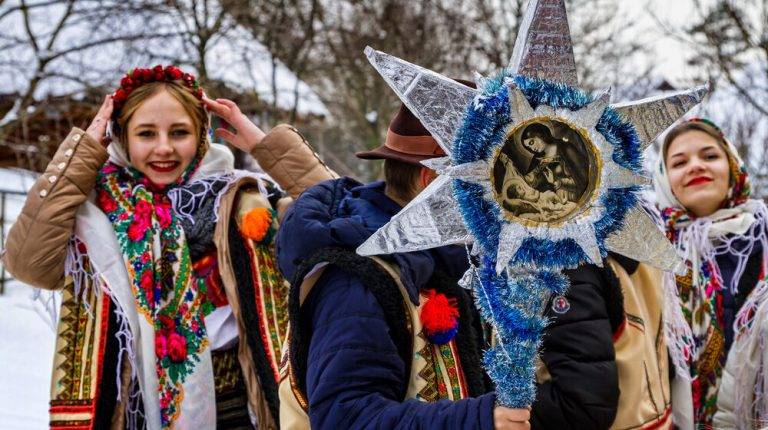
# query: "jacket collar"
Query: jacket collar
{"points": [[628, 264]]}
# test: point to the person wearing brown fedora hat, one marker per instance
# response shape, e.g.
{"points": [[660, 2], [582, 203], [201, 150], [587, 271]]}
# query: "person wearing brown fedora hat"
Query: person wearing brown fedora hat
{"points": [[380, 342], [406, 145]]}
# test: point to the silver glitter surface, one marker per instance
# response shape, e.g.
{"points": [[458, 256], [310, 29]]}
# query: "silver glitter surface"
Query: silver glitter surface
{"points": [[590, 114], [431, 220], [477, 172], [519, 107], [653, 115], [641, 240], [438, 102], [441, 105], [587, 240], [581, 230], [615, 176], [585, 117], [510, 239], [398, 73], [439, 165], [543, 47], [469, 278]]}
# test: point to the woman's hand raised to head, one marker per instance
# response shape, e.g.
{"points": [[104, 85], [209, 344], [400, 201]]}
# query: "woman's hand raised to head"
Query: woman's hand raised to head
{"points": [[98, 127], [246, 136]]}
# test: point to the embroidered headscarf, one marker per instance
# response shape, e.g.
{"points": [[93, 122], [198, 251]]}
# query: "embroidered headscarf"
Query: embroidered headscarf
{"points": [[693, 302], [168, 295]]}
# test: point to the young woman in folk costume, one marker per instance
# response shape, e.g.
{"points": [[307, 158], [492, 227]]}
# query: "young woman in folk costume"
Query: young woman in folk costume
{"points": [[703, 192], [173, 312]]}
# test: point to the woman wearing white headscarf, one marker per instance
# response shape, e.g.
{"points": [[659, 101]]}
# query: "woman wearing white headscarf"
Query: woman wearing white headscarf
{"points": [[717, 313]]}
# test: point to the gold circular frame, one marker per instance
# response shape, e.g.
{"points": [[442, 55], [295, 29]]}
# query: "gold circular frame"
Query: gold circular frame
{"points": [[593, 177]]}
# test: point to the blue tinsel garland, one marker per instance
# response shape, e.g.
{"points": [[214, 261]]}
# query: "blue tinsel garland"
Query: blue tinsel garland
{"points": [[514, 305]]}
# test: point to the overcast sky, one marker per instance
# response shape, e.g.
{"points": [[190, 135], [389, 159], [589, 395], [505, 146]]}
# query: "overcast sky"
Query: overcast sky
{"points": [[671, 54]]}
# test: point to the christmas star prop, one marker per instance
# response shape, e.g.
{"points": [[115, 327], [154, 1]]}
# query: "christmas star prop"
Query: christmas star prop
{"points": [[539, 177]]}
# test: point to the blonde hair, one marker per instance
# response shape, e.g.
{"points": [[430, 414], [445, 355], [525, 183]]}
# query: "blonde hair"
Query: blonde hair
{"points": [[191, 104]]}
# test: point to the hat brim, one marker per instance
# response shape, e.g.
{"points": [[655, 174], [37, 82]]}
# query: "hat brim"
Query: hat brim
{"points": [[384, 153]]}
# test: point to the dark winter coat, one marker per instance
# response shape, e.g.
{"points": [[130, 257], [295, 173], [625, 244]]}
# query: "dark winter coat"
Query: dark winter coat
{"points": [[355, 376], [583, 391], [732, 303]]}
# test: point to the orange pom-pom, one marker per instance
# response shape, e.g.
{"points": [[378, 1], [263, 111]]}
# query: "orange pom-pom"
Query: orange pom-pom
{"points": [[256, 223]]}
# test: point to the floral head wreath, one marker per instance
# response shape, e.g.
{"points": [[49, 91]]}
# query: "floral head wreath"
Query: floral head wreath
{"points": [[138, 77]]}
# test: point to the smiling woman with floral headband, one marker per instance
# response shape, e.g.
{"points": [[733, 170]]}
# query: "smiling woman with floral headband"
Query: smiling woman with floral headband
{"points": [[703, 192], [173, 312]]}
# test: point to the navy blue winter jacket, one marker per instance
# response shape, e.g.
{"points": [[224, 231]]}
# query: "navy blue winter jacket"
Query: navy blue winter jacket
{"points": [[355, 376]]}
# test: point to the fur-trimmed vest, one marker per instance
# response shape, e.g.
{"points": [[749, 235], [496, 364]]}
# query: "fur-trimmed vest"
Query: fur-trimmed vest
{"points": [[451, 371]]}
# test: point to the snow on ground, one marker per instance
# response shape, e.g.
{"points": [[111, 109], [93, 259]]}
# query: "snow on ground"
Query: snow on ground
{"points": [[26, 359], [26, 334]]}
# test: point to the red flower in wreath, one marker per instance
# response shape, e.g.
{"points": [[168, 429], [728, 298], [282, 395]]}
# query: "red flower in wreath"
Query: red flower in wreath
{"points": [[165, 399], [81, 247], [174, 73], [126, 82], [109, 168], [138, 77], [119, 96]]}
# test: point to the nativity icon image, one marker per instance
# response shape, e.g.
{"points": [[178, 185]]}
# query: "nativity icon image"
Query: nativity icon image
{"points": [[545, 171]]}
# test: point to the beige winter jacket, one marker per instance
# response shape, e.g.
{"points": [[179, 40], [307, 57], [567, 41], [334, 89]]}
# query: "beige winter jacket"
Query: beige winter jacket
{"points": [[641, 353]]}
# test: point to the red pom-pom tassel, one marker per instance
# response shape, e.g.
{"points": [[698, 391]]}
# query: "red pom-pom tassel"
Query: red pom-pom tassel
{"points": [[439, 314]]}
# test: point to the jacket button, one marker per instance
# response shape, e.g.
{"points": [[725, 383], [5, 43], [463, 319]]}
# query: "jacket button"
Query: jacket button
{"points": [[76, 138], [43, 193], [52, 178], [69, 152], [61, 165]]}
